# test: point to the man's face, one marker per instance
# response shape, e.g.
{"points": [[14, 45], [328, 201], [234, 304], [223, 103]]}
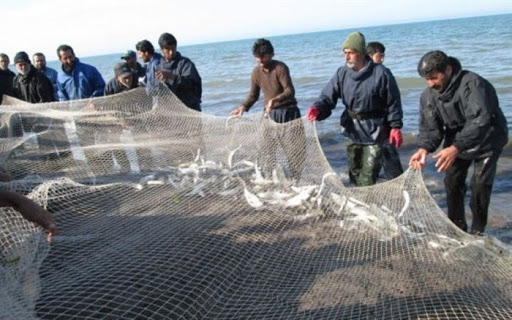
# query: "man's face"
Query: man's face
{"points": [[264, 60], [23, 67], [4, 63], [378, 57], [39, 62], [354, 59], [144, 56], [67, 58], [126, 81], [169, 52], [439, 80]]}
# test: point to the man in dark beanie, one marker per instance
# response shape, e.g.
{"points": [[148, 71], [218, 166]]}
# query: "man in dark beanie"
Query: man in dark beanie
{"points": [[460, 109], [179, 73], [30, 84], [373, 109]]}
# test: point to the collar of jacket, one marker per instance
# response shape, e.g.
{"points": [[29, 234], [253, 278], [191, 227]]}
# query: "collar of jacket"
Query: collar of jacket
{"points": [[452, 88], [358, 75]]}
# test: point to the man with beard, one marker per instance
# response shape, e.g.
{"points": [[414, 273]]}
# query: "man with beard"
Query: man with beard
{"points": [[179, 73], [273, 78], [77, 80], [30, 84], [462, 109], [39, 61], [33, 86], [6, 76], [373, 109], [147, 54]]}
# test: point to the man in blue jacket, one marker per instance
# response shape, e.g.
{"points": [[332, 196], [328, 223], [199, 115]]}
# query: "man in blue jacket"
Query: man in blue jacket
{"points": [[460, 109], [77, 80], [373, 109], [152, 59]]}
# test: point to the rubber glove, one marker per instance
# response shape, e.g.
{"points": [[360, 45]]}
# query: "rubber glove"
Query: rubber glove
{"points": [[313, 113], [395, 137]]}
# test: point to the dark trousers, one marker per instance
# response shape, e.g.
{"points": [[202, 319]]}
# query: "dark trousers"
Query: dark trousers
{"points": [[391, 164], [291, 138], [481, 189], [364, 162]]}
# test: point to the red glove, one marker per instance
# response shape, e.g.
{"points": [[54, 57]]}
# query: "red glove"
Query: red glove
{"points": [[313, 113], [395, 137]]}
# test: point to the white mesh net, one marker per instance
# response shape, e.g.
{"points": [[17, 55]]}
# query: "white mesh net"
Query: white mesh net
{"points": [[165, 213]]}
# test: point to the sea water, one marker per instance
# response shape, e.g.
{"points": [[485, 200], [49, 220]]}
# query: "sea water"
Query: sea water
{"points": [[482, 44]]}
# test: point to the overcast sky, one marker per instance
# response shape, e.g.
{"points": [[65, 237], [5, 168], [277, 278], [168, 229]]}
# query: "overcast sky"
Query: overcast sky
{"points": [[97, 27]]}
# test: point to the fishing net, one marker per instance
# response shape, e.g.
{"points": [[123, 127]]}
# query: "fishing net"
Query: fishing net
{"points": [[167, 213]]}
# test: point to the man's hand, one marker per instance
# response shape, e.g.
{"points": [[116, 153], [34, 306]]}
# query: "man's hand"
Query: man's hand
{"points": [[271, 105], [313, 113], [238, 111], [30, 211], [395, 137], [445, 158], [418, 160], [164, 75]]}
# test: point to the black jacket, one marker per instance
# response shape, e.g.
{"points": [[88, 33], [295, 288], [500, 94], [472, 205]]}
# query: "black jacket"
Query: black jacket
{"points": [[466, 115], [6, 78], [187, 85], [371, 99], [35, 87]]}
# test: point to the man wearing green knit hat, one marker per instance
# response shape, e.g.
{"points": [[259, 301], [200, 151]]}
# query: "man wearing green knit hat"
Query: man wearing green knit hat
{"points": [[373, 109]]}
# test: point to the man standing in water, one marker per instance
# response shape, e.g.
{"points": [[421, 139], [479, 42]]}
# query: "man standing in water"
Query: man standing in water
{"points": [[391, 164], [273, 77], [373, 109], [460, 108]]}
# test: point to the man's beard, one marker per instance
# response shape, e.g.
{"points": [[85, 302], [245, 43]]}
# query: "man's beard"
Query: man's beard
{"points": [[68, 67]]}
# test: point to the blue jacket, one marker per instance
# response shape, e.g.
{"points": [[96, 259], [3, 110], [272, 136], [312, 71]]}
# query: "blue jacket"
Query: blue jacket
{"points": [[52, 74], [83, 82], [372, 102], [150, 81]]}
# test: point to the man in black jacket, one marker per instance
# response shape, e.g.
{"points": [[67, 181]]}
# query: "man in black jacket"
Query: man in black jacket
{"points": [[30, 84], [461, 108], [179, 73], [6, 76]]}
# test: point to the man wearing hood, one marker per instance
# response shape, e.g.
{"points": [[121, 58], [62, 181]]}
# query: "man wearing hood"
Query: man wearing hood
{"points": [[373, 109], [460, 108]]}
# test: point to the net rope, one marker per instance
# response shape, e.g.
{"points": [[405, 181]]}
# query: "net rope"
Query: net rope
{"points": [[167, 213]]}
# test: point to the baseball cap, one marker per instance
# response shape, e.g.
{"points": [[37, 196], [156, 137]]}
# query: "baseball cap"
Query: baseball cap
{"points": [[129, 54], [122, 70]]}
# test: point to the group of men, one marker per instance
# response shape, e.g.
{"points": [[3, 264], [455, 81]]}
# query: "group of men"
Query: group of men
{"points": [[459, 107]]}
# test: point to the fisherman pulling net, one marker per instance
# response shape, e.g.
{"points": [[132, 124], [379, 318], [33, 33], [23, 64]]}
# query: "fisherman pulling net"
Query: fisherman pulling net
{"points": [[164, 212]]}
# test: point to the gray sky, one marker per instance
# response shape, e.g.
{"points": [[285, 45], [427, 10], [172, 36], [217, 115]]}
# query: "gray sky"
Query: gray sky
{"points": [[97, 27]]}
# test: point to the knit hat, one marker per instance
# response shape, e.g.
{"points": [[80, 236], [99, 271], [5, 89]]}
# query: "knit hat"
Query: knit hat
{"points": [[21, 57], [122, 70], [355, 41]]}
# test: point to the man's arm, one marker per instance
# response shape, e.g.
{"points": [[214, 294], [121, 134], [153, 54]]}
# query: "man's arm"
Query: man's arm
{"points": [[29, 210]]}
